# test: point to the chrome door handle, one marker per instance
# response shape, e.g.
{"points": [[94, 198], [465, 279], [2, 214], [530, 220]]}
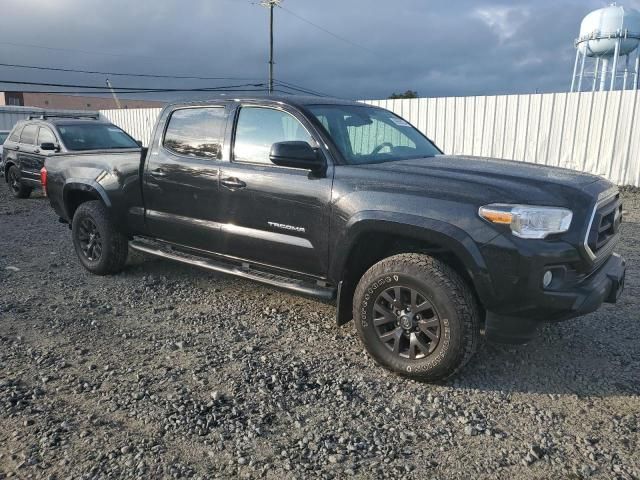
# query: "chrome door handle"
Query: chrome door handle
{"points": [[233, 183], [158, 172]]}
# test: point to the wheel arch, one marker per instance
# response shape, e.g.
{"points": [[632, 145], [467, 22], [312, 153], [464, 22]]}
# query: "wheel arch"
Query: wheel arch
{"points": [[75, 193], [370, 238], [7, 166]]}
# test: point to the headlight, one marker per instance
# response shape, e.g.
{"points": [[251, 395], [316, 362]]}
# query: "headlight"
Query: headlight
{"points": [[528, 221]]}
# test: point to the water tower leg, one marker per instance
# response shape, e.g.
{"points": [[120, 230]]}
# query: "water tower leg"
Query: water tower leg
{"points": [[595, 75], [637, 68], [603, 75], [614, 69], [584, 57], [575, 70], [626, 72]]}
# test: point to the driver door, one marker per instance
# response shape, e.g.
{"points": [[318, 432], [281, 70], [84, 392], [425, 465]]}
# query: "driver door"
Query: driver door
{"points": [[274, 216]]}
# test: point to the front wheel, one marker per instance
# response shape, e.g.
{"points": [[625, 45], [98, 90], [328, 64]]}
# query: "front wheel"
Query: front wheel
{"points": [[101, 247], [19, 189], [417, 317]]}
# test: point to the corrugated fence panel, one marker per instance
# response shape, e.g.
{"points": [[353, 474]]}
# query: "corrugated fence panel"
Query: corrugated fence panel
{"points": [[595, 132], [137, 122]]}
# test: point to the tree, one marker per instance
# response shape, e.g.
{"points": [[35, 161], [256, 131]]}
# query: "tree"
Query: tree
{"points": [[407, 94]]}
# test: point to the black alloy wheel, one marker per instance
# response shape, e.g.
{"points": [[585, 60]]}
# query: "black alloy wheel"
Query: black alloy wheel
{"points": [[406, 322], [90, 240]]}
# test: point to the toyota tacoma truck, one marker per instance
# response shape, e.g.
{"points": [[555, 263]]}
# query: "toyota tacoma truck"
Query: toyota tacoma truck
{"points": [[348, 202]]}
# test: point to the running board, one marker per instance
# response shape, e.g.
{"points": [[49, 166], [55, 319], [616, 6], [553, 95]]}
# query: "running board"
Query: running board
{"points": [[295, 285]]}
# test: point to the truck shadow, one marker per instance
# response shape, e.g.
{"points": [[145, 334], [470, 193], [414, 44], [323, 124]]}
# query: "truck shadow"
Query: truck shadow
{"points": [[596, 355]]}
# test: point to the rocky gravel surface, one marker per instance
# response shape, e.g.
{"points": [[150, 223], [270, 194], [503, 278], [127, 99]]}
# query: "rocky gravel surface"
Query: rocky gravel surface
{"points": [[164, 371]]}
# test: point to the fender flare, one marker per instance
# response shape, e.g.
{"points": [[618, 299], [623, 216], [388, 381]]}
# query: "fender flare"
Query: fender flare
{"points": [[432, 231], [83, 185]]}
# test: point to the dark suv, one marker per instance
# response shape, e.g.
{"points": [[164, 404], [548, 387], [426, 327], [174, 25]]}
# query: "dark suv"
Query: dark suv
{"points": [[32, 141]]}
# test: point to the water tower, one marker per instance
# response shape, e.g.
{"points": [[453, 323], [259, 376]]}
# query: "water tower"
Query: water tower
{"points": [[607, 35]]}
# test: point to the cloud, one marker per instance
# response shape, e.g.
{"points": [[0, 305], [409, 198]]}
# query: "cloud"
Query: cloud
{"points": [[505, 21], [434, 47]]}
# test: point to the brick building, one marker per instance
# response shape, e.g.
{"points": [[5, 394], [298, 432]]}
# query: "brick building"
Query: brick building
{"points": [[70, 102]]}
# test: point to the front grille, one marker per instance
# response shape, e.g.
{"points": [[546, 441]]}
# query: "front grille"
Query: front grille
{"points": [[605, 226]]}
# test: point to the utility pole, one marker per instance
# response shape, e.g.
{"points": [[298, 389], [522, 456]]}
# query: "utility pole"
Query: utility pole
{"points": [[115, 97], [270, 4]]}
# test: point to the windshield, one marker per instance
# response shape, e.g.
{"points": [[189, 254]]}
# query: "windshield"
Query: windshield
{"points": [[366, 134], [96, 136], [3, 137]]}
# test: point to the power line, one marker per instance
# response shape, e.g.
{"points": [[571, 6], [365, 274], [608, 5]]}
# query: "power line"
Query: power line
{"points": [[88, 52], [146, 75], [149, 75], [339, 37], [125, 89]]}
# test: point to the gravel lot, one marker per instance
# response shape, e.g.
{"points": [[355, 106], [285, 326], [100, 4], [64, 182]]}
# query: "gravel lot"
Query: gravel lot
{"points": [[168, 371]]}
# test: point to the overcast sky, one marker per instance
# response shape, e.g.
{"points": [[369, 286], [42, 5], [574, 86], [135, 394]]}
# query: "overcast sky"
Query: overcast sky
{"points": [[439, 48]]}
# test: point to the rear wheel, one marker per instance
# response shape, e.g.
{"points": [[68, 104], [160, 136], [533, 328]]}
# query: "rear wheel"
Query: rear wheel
{"points": [[101, 247], [19, 189], [417, 317]]}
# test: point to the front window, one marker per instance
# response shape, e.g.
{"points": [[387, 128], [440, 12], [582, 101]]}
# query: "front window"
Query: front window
{"points": [[96, 136], [46, 136], [372, 135], [3, 137], [259, 128]]}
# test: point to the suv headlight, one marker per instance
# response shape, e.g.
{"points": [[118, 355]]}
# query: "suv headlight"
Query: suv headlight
{"points": [[528, 221]]}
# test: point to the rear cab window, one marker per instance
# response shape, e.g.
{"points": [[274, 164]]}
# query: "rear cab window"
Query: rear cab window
{"points": [[196, 132]]}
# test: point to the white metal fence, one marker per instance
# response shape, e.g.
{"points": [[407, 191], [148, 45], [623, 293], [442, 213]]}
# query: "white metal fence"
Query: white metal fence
{"points": [[591, 132], [137, 122], [595, 132]]}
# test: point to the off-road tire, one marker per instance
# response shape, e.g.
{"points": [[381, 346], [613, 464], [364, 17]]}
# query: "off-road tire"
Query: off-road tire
{"points": [[114, 244], [448, 293], [19, 189]]}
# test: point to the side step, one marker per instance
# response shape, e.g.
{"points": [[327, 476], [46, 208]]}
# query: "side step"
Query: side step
{"points": [[287, 283]]}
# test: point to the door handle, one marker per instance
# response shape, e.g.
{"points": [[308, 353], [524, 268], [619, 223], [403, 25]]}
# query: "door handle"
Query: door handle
{"points": [[158, 172], [17, 147], [233, 183], [37, 150]]}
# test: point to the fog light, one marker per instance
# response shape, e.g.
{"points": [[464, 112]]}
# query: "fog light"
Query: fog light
{"points": [[547, 278]]}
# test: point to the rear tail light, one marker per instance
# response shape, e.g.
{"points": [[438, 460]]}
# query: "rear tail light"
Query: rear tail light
{"points": [[43, 179]]}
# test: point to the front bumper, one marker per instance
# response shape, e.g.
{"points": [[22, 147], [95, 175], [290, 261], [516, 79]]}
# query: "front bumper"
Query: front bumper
{"points": [[604, 285]]}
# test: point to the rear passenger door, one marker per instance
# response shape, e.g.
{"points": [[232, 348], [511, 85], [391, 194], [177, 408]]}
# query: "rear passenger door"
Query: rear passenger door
{"points": [[181, 177], [29, 154]]}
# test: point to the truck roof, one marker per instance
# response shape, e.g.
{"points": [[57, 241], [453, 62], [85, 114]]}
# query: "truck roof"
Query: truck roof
{"points": [[293, 100]]}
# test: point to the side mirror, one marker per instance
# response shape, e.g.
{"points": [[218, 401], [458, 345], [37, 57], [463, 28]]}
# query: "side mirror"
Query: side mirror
{"points": [[49, 146], [296, 155]]}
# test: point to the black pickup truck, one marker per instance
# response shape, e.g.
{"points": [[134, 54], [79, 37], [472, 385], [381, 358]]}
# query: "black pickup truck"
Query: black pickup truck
{"points": [[341, 200]]}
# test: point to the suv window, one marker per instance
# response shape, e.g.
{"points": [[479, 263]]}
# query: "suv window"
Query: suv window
{"points": [[259, 128], [196, 132], [46, 136], [29, 134], [15, 135]]}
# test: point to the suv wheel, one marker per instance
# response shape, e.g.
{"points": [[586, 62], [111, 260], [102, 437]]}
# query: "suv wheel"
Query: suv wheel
{"points": [[417, 317], [100, 246], [18, 189]]}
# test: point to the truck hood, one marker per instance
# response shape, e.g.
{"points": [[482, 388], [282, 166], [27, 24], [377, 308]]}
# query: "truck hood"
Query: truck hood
{"points": [[488, 179]]}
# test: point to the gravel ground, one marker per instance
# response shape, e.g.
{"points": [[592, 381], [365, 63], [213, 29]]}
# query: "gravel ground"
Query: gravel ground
{"points": [[169, 371]]}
